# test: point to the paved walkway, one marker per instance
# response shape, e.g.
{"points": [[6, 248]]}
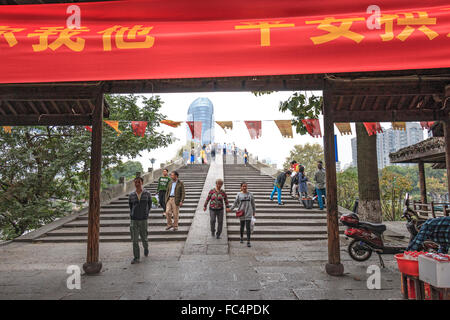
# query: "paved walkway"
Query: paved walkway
{"points": [[200, 241], [201, 268]]}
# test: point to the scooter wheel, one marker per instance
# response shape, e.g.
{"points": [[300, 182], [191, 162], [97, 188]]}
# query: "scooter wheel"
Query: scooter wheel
{"points": [[359, 252]]}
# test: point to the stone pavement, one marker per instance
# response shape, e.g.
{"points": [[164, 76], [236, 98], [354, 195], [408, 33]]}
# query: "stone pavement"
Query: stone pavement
{"points": [[286, 270], [200, 268], [199, 240]]}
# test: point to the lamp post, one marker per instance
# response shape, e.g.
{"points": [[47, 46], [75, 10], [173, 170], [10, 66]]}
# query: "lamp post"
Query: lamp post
{"points": [[152, 160]]}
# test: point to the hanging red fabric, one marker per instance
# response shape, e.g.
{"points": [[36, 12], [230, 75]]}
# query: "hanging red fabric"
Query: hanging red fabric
{"points": [[426, 124], [139, 127], [196, 129], [88, 128], [254, 128], [373, 128], [313, 127]]}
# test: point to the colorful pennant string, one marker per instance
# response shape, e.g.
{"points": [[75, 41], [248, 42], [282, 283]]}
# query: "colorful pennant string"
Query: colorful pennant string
{"points": [[373, 128], [225, 125], [170, 123], [313, 127], [285, 127], [139, 127], [344, 128], [399, 126], [254, 128]]}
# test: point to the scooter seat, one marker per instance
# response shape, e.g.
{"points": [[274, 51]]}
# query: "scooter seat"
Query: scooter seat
{"points": [[377, 227]]}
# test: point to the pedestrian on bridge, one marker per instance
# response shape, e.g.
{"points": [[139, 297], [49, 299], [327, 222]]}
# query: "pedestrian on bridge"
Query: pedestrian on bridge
{"points": [[218, 200], [278, 186], [161, 190], [140, 202], [174, 200], [245, 205], [319, 178]]}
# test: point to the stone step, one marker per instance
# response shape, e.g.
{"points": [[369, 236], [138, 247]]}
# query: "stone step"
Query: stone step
{"points": [[126, 223], [126, 238], [274, 237], [282, 222], [126, 206], [118, 216], [282, 230], [112, 231]]}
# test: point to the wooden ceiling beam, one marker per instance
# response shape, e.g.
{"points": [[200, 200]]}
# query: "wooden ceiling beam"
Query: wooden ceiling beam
{"points": [[390, 116], [45, 120]]}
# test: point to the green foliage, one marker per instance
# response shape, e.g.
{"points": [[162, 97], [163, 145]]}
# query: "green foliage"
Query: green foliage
{"points": [[302, 107], [347, 188], [44, 171], [127, 170], [307, 155], [393, 187]]}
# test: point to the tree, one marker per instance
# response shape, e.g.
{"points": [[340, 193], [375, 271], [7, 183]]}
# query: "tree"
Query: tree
{"points": [[44, 171], [127, 170], [347, 188], [369, 206], [306, 155], [393, 188]]}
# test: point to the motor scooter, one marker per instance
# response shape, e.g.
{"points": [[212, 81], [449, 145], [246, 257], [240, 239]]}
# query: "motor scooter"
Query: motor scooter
{"points": [[368, 237]]}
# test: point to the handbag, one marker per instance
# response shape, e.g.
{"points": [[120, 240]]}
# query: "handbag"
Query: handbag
{"points": [[239, 213]]}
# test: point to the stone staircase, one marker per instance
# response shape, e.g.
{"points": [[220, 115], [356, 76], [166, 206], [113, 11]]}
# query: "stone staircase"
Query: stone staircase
{"points": [[115, 219], [273, 223]]}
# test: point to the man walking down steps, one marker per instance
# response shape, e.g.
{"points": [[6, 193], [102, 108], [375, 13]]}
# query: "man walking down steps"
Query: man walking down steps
{"points": [[140, 202]]}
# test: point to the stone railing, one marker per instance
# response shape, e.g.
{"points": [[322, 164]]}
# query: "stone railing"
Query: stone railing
{"points": [[124, 187]]}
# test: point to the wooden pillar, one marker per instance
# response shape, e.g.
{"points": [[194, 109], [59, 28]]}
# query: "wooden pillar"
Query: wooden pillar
{"points": [[334, 266], [93, 265], [422, 183], [447, 140]]}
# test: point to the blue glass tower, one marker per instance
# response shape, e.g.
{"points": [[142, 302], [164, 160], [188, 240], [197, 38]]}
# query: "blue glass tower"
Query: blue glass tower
{"points": [[202, 110]]}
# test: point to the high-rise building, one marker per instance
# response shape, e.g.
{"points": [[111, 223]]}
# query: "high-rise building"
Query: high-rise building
{"points": [[202, 110], [390, 141]]}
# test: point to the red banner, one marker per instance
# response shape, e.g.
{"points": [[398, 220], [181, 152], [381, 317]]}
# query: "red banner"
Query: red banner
{"points": [[313, 127], [196, 129], [254, 129], [373, 128], [426, 124], [139, 127], [157, 39]]}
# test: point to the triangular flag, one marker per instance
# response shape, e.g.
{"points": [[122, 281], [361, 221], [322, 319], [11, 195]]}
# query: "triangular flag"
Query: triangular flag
{"points": [[7, 129], [373, 128], [254, 128], [285, 127], [139, 127], [313, 127], [114, 124], [225, 125], [88, 128], [399, 126], [426, 124], [196, 129], [170, 123], [344, 128]]}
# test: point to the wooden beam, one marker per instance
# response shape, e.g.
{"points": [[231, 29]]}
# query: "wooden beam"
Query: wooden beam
{"points": [[45, 93], [389, 115], [93, 265], [45, 120], [447, 140], [422, 182], [10, 107], [334, 266], [35, 110]]}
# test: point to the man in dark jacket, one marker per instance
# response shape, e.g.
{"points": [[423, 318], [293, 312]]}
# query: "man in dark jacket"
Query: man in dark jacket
{"points": [[140, 202], [174, 200], [279, 183]]}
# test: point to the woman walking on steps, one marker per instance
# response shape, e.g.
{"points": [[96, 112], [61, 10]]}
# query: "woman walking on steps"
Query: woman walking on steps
{"points": [[245, 202]]}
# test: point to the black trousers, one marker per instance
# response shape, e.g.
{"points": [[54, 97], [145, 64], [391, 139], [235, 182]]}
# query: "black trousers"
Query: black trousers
{"points": [[216, 214], [162, 198], [246, 224]]}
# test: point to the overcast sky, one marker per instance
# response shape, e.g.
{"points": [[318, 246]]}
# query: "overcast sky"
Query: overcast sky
{"points": [[241, 106]]}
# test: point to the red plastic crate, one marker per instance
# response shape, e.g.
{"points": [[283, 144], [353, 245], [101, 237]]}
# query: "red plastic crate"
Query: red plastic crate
{"points": [[409, 267]]}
